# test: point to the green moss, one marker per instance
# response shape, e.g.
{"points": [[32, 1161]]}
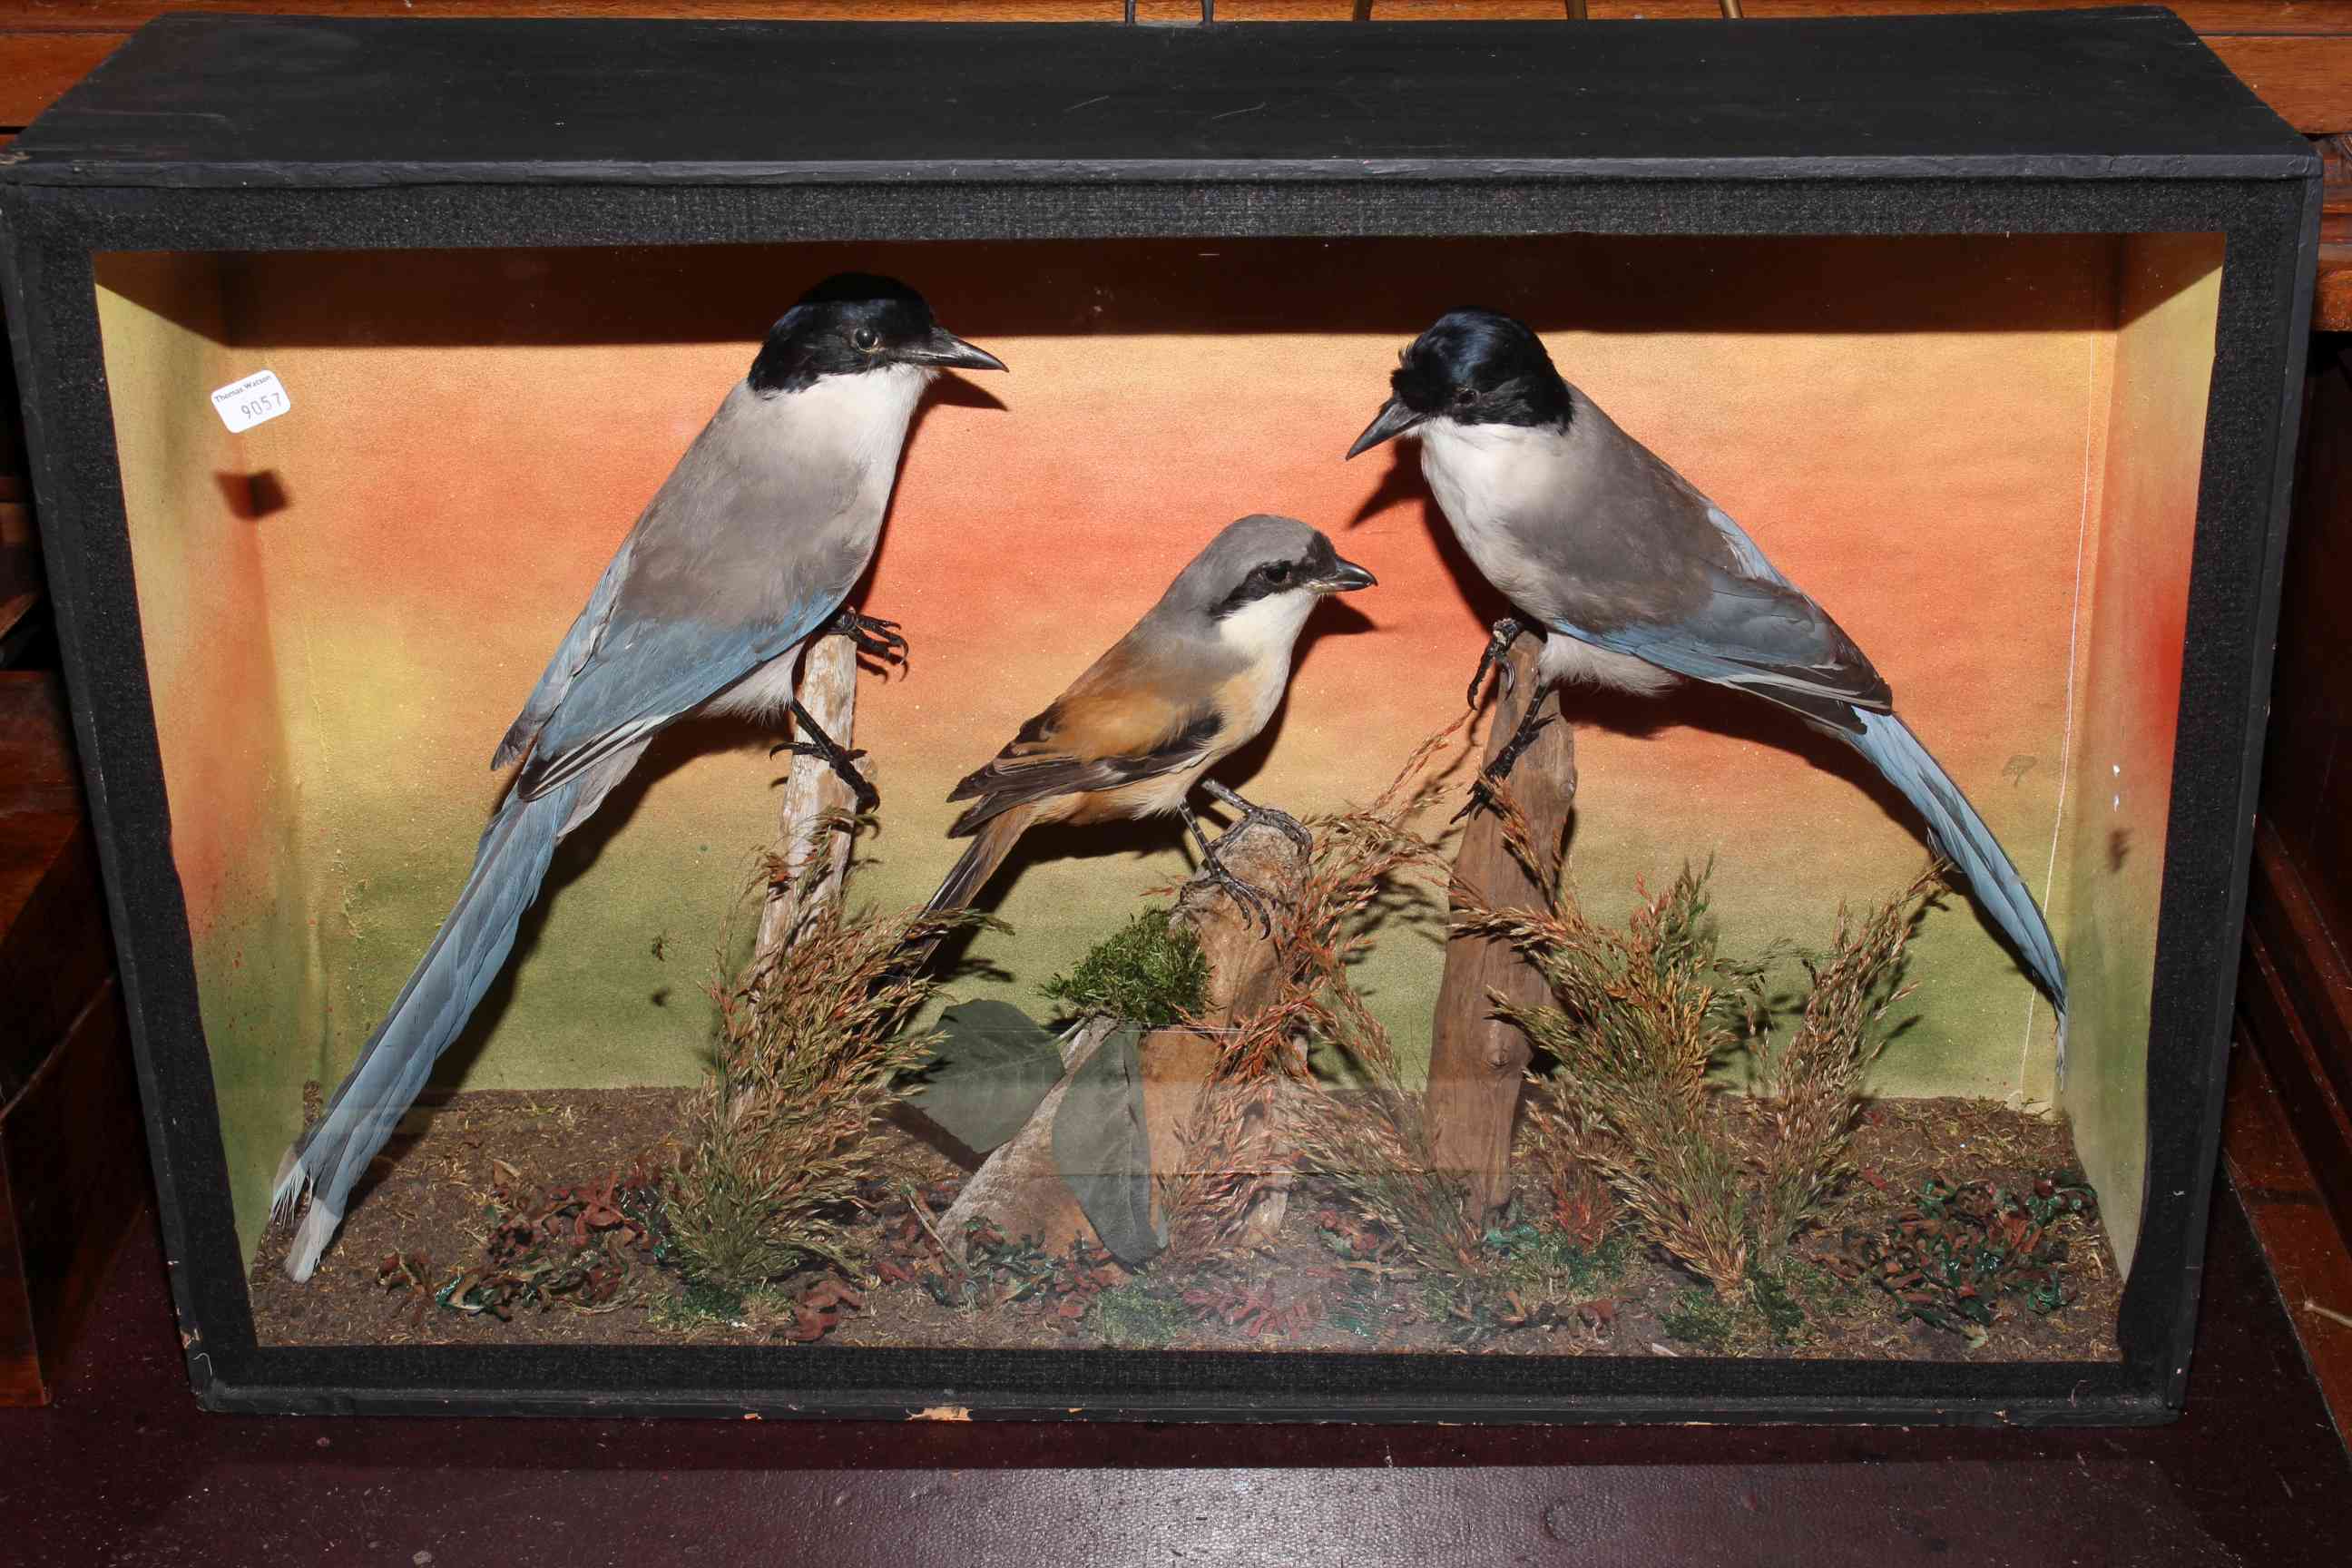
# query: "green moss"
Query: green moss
{"points": [[1820, 1291], [1148, 972], [1135, 1314], [1698, 1317], [1543, 1262], [696, 1305], [1777, 1304]]}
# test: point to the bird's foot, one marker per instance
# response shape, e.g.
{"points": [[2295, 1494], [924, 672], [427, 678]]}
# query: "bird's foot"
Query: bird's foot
{"points": [[1499, 638], [843, 763], [1281, 822], [874, 638], [1483, 795], [832, 752], [1482, 798], [1249, 899], [1251, 902]]}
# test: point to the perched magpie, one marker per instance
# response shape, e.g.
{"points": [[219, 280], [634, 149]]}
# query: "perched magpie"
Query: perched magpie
{"points": [[747, 550], [1636, 579], [1195, 680]]}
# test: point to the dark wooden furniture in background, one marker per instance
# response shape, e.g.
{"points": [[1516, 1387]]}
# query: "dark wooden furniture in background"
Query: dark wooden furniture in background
{"points": [[2295, 991], [71, 1170]]}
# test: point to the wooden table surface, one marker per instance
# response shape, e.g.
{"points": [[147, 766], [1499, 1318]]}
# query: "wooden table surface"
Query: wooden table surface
{"points": [[124, 1469]]}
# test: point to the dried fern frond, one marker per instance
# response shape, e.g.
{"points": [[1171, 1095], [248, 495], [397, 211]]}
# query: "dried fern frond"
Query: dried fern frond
{"points": [[1636, 1026]]}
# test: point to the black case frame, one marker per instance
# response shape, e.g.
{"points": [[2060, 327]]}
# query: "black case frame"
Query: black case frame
{"points": [[208, 134]]}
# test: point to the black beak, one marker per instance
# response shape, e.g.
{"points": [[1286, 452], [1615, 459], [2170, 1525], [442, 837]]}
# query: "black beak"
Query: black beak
{"points": [[1393, 420], [1345, 577], [945, 349]]}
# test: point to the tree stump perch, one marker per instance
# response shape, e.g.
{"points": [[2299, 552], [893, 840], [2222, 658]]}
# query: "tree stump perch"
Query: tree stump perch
{"points": [[1476, 1061], [1244, 974], [1019, 1187]]}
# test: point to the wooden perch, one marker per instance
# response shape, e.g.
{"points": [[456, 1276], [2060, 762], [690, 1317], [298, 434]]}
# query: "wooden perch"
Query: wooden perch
{"points": [[1244, 974], [1476, 1061], [1019, 1187], [828, 689]]}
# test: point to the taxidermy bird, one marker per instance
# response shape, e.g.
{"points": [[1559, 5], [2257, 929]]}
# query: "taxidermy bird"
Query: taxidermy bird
{"points": [[1636, 581], [1195, 682], [749, 548]]}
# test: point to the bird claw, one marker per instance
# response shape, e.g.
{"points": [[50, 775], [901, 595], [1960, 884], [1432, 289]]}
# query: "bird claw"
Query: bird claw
{"points": [[1499, 638], [1483, 795], [1485, 787], [1251, 902], [1282, 822], [876, 639], [1247, 812], [811, 749], [843, 763]]}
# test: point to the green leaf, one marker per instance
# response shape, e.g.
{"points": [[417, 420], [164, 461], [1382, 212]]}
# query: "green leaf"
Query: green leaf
{"points": [[993, 1065], [1103, 1151]]}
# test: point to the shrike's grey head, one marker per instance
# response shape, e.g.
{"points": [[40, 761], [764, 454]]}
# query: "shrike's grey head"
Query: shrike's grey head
{"points": [[855, 324], [1260, 578], [1474, 367]]}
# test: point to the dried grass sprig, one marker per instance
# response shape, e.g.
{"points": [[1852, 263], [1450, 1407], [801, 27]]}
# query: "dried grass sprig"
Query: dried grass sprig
{"points": [[1810, 1087], [1368, 867], [813, 1049], [1639, 1020], [1560, 1147]]}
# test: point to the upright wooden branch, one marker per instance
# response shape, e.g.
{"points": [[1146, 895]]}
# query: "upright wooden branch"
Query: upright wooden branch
{"points": [[1476, 1060], [828, 689]]}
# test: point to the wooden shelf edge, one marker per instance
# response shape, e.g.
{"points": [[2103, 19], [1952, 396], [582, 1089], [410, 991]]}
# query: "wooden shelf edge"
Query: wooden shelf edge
{"points": [[2297, 59], [2331, 302]]}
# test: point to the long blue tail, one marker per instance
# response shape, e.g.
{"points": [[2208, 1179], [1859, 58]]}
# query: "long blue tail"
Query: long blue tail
{"points": [[465, 956], [1960, 835]]}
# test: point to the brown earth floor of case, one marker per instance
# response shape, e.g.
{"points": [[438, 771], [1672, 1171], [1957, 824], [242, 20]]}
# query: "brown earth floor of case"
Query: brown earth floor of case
{"points": [[124, 1468]]}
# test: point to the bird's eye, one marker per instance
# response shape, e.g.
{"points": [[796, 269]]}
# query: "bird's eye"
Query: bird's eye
{"points": [[1277, 573], [1463, 396], [866, 340]]}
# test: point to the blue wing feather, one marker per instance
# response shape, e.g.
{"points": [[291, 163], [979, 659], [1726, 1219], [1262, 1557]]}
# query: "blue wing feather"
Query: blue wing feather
{"points": [[1759, 632], [646, 673]]}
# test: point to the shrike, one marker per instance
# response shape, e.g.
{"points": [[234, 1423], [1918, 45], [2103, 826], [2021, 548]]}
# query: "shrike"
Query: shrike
{"points": [[1637, 580], [1195, 680], [749, 548]]}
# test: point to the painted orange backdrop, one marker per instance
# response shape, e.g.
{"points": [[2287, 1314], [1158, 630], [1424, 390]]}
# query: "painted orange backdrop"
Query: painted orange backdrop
{"points": [[1914, 430]]}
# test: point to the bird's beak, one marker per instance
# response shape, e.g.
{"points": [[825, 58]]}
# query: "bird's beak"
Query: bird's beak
{"points": [[1345, 577], [1393, 420], [945, 349]]}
